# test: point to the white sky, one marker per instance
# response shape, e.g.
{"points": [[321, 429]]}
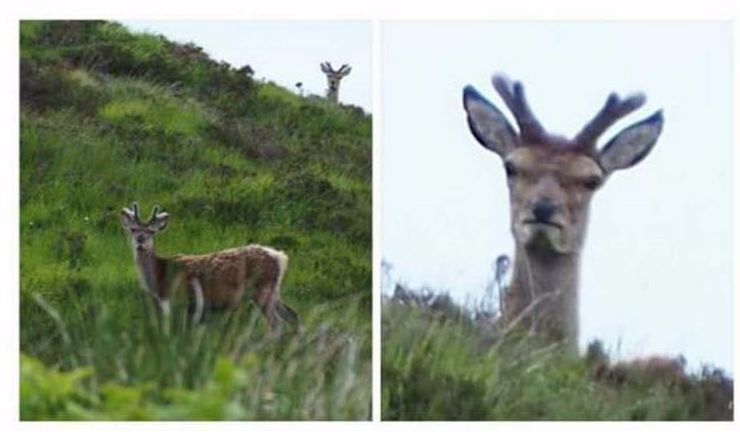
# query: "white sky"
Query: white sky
{"points": [[657, 267], [285, 52]]}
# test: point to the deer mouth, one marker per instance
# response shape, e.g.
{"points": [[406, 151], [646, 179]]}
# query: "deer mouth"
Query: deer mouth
{"points": [[539, 223]]}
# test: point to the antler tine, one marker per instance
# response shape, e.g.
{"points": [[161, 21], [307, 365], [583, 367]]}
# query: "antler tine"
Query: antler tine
{"points": [[135, 208], [516, 101], [613, 110], [155, 212]]}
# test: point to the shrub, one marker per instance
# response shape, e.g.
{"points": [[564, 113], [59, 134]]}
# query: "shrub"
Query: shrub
{"points": [[437, 364]]}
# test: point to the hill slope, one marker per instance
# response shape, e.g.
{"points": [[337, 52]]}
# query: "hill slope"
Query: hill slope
{"points": [[109, 117]]}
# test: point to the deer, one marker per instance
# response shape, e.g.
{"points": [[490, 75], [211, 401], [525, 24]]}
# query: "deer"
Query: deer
{"points": [[551, 180], [333, 78], [218, 280]]}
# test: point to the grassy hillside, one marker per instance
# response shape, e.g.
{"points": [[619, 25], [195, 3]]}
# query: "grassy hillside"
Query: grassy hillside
{"points": [[440, 363], [109, 117]]}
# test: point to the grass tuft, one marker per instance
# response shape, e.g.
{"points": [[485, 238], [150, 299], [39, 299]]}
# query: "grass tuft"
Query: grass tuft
{"points": [[440, 363]]}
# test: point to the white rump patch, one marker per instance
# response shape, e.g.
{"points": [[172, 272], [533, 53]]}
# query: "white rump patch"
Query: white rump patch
{"points": [[282, 260]]}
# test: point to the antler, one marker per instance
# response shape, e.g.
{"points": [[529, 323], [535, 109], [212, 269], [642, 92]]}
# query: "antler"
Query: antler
{"points": [[513, 95], [155, 212], [613, 110], [133, 212], [326, 67]]}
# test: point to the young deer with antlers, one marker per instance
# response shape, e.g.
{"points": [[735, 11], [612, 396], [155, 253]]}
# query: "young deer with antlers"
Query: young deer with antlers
{"points": [[333, 77], [214, 281], [551, 180]]}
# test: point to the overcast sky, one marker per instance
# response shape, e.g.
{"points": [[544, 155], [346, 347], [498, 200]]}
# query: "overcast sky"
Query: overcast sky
{"points": [[285, 52], [656, 271]]}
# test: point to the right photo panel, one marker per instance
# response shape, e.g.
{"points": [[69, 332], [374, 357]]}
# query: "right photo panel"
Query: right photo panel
{"points": [[556, 221]]}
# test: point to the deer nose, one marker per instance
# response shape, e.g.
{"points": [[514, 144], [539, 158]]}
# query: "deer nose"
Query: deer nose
{"points": [[140, 238], [543, 210]]}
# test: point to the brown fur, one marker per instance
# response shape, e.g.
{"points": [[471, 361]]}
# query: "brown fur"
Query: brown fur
{"points": [[225, 276], [645, 371], [213, 281]]}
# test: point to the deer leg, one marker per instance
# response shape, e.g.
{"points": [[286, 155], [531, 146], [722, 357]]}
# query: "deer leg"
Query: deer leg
{"points": [[264, 298], [164, 306], [197, 288]]}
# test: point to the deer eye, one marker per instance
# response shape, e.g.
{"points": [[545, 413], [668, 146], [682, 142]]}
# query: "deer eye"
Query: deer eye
{"points": [[592, 183], [510, 169]]}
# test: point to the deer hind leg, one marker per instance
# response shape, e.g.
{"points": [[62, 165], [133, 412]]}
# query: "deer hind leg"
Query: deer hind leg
{"points": [[265, 299], [275, 310], [267, 292], [286, 313]]}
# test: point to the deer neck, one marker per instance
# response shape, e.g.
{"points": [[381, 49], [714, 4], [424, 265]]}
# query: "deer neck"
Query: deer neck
{"points": [[152, 270], [332, 92], [550, 280]]}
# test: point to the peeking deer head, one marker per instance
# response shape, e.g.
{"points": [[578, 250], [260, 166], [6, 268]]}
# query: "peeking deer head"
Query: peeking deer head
{"points": [[551, 179], [333, 78], [141, 233]]}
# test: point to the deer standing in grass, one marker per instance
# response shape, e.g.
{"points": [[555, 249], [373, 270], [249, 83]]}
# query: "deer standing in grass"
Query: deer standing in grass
{"points": [[333, 78], [551, 180], [214, 281]]}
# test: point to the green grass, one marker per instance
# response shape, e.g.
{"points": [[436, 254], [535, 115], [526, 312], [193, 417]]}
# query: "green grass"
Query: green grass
{"points": [[109, 117], [437, 364]]}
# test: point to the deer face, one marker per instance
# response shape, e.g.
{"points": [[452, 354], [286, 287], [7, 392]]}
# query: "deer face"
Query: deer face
{"points": [[333, 77], [551, 179], [549, 196], [142, 234]]}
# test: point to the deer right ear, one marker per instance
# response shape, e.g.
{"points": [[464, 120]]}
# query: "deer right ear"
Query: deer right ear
{"points": [[159, 221], [128, 218], [487, 124]]}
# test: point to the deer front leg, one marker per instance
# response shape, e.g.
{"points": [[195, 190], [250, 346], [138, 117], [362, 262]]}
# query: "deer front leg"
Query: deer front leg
{"points": [[197, 288], [164, 306]]}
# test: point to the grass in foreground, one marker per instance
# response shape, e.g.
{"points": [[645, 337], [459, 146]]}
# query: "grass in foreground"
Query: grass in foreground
{"points": [[228, 368], [439, 364]]}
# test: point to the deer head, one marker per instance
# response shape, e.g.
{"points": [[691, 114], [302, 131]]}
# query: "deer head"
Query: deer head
{"points": [[333, 77], [142, 234], [551, 179]]}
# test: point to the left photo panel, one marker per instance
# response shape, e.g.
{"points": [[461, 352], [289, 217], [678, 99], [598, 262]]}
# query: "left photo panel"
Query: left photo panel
{"points": [[195, 220]]}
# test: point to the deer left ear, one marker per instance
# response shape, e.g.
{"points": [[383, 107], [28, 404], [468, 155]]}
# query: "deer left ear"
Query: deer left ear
{"points": [[159, 221], [631, 145]]}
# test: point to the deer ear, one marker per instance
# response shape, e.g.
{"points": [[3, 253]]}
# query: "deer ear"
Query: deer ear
{"points": [[128, 218], [159, 221], [631, 145], [488, 125], [347, 71]]}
